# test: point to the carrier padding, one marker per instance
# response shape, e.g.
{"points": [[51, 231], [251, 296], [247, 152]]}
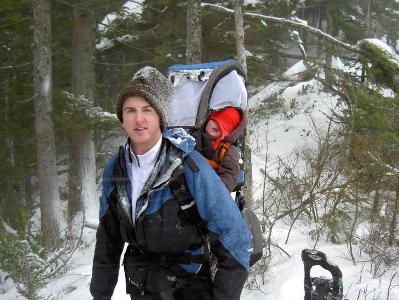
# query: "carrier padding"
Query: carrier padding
{"points": [[217, 74], [202, 66]]}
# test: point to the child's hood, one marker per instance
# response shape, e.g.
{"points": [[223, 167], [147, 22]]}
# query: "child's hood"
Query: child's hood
{"points": [[233, 136]]}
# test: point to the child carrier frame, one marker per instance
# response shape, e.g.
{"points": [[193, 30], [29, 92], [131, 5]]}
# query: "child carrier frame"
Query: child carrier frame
{"points": [[201, 89], [207, 87]]}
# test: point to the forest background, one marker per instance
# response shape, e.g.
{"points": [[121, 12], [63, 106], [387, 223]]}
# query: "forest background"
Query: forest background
{"points": [[64, 62]]}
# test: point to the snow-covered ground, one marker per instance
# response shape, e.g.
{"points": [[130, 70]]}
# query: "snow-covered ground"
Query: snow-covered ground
{"points": [[284, 278], [280, 137]]}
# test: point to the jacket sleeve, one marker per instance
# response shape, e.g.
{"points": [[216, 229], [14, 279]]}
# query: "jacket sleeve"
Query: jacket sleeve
{"points": [[228, 234], [229, 167], [109, 244]]}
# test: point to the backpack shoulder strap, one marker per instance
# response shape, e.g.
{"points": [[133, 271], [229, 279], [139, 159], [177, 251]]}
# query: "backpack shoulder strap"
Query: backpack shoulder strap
{"points": [[183, 196], [191, 163], [187, 203]]}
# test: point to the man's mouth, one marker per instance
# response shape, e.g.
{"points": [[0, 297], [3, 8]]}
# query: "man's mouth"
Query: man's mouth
{"points": [[140, 128]]}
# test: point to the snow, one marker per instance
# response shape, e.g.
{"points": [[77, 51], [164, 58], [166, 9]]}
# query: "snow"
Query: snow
{"points": [[383, 46], [130, 7], [282, 137], [107, 115], [46, 85], [248, 53], [104, 44], [249, 2], [135, 7], [89, 188], [293, 71], [391, 54], [7, 228], [304, 22]]}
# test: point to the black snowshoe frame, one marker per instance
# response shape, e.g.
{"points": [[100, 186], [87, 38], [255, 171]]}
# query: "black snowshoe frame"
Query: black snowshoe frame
{"points": [[321, 288]]}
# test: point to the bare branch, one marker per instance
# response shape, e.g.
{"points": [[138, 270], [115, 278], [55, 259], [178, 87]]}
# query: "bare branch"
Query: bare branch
{"points": [[383, 164], [13, 23], [290, 23], [16, 66], [390, 284]]}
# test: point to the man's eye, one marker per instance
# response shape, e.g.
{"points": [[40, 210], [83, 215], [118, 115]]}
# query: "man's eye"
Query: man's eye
{"points": [[147, 110]]}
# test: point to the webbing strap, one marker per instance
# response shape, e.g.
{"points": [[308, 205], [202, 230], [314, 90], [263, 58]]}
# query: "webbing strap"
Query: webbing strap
{"points": [[186, 202], [223, 147], [150, 259], [213, 163]]}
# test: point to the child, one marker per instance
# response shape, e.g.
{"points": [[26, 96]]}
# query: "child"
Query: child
{"points": [[222, 129]]}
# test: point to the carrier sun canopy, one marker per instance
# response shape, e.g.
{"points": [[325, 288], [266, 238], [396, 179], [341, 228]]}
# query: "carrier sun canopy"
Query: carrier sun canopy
{"points": [[191, 81]]}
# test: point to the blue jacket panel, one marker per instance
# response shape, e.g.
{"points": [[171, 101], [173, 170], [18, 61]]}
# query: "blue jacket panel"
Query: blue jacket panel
{"points": [[107, 185]]}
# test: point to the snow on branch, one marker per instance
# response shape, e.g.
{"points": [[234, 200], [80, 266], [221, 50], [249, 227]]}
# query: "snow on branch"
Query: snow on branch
{"points": [[381, 54], [390, 168], [7, 228], [378, 53], [291, 23], [16, 66], [79, 105]]}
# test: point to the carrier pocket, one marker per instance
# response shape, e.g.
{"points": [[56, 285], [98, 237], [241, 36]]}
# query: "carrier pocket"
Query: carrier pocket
{"points": [[142, 276], [135, 276]]}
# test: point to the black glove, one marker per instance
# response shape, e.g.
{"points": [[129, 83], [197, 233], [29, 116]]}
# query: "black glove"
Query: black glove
{"points": [[206, 147]]}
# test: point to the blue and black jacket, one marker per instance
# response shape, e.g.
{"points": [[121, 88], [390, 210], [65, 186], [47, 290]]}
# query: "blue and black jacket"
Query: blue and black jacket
{"points": [[159, 228]]}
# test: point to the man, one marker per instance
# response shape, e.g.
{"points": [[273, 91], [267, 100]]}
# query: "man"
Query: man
{"points": [[164, 200]]}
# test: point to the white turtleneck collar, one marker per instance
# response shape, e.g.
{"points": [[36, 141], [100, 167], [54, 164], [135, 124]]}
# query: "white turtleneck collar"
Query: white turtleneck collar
{"points": [[142, 165], [148, 158]]}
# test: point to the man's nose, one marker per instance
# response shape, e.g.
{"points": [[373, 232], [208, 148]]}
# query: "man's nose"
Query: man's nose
{"points": [[139, 116]]}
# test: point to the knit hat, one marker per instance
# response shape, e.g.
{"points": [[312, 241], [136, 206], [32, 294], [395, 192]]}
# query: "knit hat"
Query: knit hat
{"points": [[228, 120], [148, 82]]}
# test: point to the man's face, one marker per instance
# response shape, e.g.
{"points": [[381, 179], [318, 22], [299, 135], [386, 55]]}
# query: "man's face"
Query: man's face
{"points": [[141, 123]]}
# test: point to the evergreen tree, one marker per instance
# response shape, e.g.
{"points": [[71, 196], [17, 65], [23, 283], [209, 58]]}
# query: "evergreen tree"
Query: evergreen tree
{"points": [[82, 168], [45, 141], [17, 154], [194, 32]]}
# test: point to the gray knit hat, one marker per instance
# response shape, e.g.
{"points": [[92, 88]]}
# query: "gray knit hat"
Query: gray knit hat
{"points": [[148, 82]]}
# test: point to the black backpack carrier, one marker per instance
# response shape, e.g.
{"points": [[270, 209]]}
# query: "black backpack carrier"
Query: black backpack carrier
{"points": [[194, 100]]}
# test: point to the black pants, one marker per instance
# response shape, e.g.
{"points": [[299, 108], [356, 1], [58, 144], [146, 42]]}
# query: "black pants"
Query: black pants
{"points": [[193, 289]]}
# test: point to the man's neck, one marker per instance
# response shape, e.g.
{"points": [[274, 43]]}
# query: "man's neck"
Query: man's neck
{"points": [[143, 149]]}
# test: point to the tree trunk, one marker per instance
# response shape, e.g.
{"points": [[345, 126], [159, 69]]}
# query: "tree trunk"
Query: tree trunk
{"points": [[239, 28], [10, 199], [395, 216], [240, 45], [28, 192], [320, 27], [45, 141], [193, 37], [367, 29], [329, 47], [82, 168]]}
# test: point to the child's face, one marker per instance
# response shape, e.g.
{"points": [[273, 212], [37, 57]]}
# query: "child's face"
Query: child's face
{"points": [[212, 129]]}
